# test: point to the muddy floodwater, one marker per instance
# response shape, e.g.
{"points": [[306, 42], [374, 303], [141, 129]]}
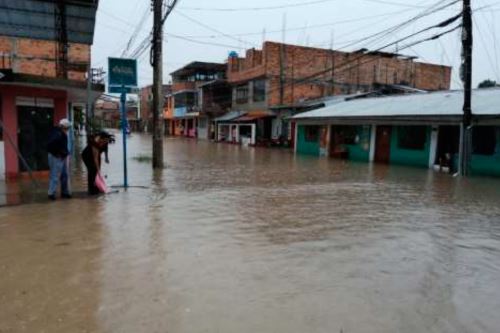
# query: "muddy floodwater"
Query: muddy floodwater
{"points": [[229, 239]]}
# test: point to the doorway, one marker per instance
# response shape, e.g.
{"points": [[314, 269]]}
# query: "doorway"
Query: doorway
{"points": [[34, 125], [448, 147], [383, 144]]}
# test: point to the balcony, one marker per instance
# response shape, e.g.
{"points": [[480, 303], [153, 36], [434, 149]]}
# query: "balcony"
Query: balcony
{"points": [[183, 85]]}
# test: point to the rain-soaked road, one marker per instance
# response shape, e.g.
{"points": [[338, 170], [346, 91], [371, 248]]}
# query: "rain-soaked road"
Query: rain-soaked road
{"points": [[229, 240]]}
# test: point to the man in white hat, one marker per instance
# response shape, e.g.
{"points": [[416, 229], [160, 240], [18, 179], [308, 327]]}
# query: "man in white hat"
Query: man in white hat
{"points": [[57, 147]]}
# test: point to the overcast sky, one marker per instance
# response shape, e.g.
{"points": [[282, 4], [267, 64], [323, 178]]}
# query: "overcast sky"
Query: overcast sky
{"points": [[207, 30]]}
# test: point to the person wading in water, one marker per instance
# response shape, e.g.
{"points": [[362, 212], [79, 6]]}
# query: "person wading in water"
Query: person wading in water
{"points": [[91, 156]]}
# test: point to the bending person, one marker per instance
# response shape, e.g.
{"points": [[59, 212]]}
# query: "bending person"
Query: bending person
{"points": [[91, 156]]}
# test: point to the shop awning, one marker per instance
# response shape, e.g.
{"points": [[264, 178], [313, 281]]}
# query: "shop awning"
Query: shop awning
{"points": [[230, 116], [254, 115], [188, 115]]}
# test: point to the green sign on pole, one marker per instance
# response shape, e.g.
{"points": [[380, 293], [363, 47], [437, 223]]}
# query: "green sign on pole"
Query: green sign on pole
{"points": [[122, 78], [122, 72]]}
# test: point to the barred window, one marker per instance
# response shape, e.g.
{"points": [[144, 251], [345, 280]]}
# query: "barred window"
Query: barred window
{"points": [[412, 137]]}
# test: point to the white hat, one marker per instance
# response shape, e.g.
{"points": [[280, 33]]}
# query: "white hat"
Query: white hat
{"points": [[65, 123]]}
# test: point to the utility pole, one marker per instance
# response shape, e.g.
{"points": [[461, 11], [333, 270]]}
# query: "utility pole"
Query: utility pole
{"points": [[466, 132], [158, 98]]}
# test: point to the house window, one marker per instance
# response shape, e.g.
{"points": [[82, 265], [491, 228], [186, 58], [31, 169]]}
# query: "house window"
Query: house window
{"points": [[346, 135], [242, 94], [412, 137], [259, 90], [484, 140], [311, 133]]}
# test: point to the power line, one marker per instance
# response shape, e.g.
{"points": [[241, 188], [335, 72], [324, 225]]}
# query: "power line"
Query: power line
{"points": [[291, 5], [490, 59], [135, 33], [213, 29], [205, 43], [259, 33], [392, 30], [356, 60]]}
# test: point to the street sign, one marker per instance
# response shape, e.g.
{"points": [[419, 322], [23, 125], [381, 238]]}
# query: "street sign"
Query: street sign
{"points": [[122, 72], [123, 80], [119, 90]]}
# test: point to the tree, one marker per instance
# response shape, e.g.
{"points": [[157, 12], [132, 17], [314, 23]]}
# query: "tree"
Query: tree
{"points": [[488, 84]]}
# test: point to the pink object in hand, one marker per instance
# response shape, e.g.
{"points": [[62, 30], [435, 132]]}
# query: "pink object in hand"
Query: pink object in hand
{"points": [[100, 183]]}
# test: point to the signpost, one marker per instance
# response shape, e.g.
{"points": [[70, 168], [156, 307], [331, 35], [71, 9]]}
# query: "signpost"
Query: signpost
{"points": [[122, 80]]}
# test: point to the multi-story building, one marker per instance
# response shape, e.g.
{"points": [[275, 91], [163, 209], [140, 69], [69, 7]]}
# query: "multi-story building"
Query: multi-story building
{"points": [[195, 85], [270, 84], [45, 53], [146, 104]]}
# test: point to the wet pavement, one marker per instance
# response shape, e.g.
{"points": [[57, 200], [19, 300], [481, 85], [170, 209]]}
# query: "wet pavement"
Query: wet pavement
{"points": [[230, 239]]}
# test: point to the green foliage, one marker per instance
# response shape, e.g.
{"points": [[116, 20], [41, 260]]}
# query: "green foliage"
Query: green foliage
{"points": [[487, 84]]}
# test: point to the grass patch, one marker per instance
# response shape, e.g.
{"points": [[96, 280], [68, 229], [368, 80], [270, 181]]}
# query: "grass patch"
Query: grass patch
{"points": [[143, 158]]}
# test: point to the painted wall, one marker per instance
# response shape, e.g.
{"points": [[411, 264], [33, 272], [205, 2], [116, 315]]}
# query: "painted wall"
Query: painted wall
{"points": [[487, 165], [306, 147], [9, 117], [410, 157]]}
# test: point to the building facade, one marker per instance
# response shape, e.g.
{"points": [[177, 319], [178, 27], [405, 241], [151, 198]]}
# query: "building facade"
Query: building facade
{"points": [[145, 116], [421, 130], [43, 79], [184, 112], [269, 84]]}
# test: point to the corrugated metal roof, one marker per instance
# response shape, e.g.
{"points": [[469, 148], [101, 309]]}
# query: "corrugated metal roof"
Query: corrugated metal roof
{"points": [[485, 102], [254, 115], [230, 116], [35, 19]]}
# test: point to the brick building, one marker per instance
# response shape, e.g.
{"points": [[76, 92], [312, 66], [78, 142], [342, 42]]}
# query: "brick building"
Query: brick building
{"points": [[146, 103], [281, 76], [43, 68], [184, 111]]}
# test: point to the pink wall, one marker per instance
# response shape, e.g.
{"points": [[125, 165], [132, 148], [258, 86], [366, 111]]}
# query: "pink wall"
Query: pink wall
{"points": [[9, 117]]}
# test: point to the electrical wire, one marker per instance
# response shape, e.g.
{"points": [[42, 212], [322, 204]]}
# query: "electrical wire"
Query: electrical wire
{"points": [[206, 26], [292, 5], [331, 24], [356, 59], [137, 30]]}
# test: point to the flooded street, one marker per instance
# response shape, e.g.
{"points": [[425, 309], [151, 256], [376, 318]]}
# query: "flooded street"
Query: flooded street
{"points": [[229, 239]]}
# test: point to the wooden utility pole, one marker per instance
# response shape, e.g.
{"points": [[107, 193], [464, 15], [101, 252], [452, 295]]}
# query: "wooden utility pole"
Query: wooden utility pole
{"points": [[466, 136], [158, 98]]}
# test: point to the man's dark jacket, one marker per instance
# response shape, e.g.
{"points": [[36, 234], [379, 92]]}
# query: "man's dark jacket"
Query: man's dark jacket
{"points": [[57, 144]]}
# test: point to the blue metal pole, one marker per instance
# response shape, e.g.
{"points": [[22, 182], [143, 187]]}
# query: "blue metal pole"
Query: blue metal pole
{"points": [[123, 101]]}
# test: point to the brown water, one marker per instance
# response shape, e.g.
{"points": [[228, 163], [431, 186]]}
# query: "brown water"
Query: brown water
{"points": [[229, 239]]}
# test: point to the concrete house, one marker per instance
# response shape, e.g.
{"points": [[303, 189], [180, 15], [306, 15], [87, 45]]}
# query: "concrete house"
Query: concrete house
{"points": [[182, 111], [421, 130], [272, 84], [43, 73], [145, 114]]}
